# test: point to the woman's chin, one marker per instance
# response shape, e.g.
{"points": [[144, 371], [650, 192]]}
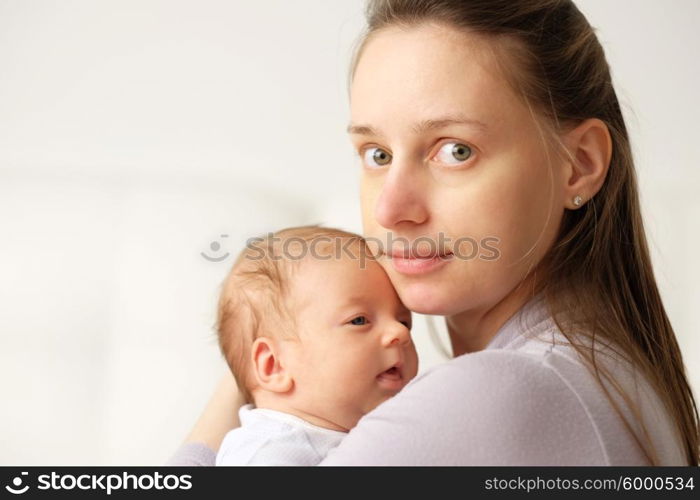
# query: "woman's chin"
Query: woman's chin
{"points": [[425, 299]]}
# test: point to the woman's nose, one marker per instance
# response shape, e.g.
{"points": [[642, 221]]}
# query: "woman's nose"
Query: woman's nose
{"points": [[396, 334], [401, 196]]}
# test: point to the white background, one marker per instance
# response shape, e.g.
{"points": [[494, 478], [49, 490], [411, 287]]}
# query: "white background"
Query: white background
{"points": [[134, 133]]}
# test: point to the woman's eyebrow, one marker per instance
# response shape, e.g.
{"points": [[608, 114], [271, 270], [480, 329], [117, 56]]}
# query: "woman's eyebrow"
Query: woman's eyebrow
{"points": [[439, 123], [362, 130], [423, 126]]}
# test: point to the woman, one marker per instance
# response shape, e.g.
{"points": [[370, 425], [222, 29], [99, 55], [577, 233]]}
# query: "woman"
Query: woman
{"points": [[496, 120]]}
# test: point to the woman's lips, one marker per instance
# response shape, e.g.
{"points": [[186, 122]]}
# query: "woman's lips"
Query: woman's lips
{"points": [[419, 265]]}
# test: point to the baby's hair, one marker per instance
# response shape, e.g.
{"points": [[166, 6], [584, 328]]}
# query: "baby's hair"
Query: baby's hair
{"points": [[255, 299]]}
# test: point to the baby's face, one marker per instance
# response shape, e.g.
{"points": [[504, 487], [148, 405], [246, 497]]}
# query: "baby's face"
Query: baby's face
{"points": [[354, 349]]}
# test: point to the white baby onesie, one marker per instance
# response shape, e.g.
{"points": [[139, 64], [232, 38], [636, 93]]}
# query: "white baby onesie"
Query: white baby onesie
{"points": [[269, 437]]}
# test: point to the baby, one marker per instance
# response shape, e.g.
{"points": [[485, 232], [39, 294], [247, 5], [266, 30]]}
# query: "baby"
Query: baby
{"points": [[316, 337]]}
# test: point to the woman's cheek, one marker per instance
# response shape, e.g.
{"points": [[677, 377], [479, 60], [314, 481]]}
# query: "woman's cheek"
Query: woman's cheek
{"points": [[469, 216], [369, 193], [368, 197]]}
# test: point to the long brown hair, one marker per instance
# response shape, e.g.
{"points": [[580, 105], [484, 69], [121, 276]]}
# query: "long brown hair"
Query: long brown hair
{"points": [[599, 279]]}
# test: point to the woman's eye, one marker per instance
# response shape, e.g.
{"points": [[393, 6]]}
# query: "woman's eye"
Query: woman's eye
{"points": [[376, 157], [360, 320], [453, 153]]}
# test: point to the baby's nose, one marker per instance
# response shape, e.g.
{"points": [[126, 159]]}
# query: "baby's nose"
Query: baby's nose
{"points": [[397, 333]]}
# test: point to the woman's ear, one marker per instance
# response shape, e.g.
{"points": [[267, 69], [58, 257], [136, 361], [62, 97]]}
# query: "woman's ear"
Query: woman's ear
{"points": [[271, 372], [590, 146]]}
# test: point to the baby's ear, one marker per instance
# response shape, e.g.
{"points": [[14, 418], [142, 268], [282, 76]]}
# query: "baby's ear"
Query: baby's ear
{"points": [[270, 370]]}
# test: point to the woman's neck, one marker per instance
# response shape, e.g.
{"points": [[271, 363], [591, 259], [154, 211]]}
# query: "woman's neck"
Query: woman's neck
{"points": [[473, 329]]}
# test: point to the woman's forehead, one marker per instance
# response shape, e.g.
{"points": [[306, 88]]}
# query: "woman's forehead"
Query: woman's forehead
{"points": [[427, 73]]}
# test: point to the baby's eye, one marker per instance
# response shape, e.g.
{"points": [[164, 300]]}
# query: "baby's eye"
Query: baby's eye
{"points": [[360, 320], [376, 157], [453, 153]]}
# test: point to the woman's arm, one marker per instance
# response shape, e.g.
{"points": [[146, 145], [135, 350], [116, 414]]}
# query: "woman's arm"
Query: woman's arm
{"points": [[220, 415]]}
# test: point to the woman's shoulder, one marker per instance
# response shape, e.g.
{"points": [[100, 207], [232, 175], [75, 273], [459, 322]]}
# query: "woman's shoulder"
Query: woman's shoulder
{"points": [[489, 363], [535, 400], [487, 408], [531, 400], [539, 354], [496, 380]]}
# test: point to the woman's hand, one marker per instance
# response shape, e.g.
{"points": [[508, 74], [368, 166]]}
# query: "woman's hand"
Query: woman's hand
{"points": [[220, 415]]}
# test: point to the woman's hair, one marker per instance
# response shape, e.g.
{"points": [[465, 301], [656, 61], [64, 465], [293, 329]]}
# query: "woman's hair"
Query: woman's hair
{"points": [[255, 299], [599, 279]]}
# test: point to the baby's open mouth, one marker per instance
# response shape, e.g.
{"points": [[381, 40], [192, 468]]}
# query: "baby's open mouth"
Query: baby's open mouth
{"points": [[393, 373], [391, 379]]}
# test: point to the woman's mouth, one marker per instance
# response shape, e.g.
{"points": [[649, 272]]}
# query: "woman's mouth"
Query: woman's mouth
{"points": [[419, 265]]}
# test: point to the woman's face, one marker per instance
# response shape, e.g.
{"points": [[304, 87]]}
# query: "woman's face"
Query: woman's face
{"points": [[448, 151]]}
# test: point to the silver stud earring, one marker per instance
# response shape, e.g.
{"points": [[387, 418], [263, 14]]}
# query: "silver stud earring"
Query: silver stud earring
{"points": [[578, 200]]}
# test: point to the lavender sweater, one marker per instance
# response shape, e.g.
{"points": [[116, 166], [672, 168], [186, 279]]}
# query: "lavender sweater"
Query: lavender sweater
{"points": [[526, 399]]}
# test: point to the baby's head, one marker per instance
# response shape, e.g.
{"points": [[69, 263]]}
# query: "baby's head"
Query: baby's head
{"points": [[310, 324]]}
